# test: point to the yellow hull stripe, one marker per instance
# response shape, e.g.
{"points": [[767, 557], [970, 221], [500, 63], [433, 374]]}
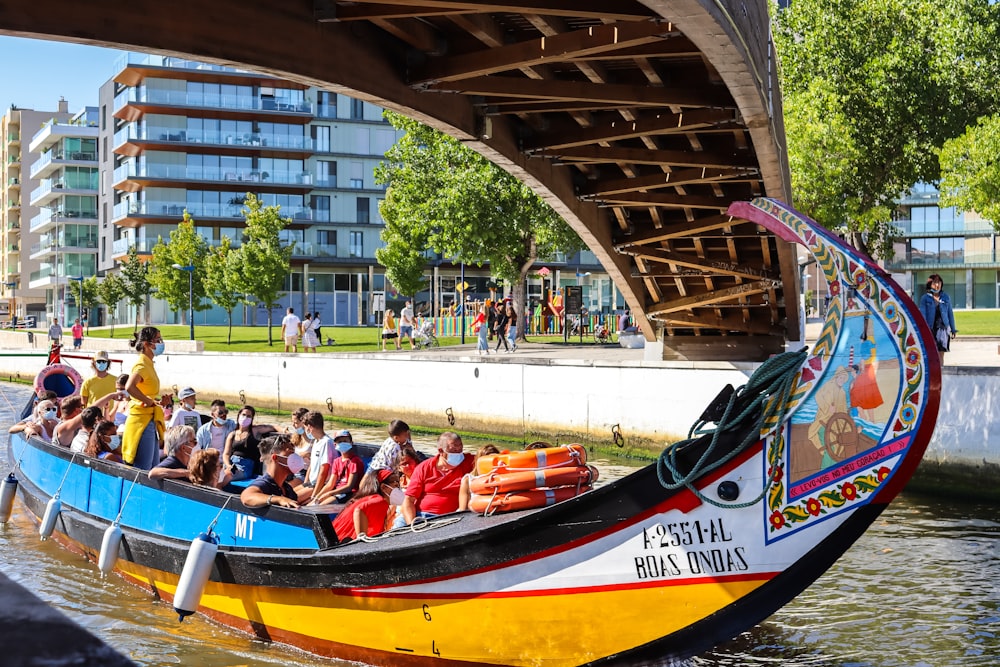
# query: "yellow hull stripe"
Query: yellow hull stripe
{"points": [[538, 629]]}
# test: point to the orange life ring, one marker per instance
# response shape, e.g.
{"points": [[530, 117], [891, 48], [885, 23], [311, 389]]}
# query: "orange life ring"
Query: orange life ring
{"points": [[523, 480], [549, 457], [523, 500], [60, 378]]}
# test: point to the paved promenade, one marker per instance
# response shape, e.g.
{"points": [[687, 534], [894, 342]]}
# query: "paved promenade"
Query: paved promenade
{"points": [[982, 351]]}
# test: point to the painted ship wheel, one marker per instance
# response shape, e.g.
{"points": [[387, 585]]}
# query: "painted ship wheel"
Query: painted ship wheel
{"points": [[841, 435]]}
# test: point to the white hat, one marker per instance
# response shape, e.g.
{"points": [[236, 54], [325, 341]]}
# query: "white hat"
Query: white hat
{"points": [[185, 393]]}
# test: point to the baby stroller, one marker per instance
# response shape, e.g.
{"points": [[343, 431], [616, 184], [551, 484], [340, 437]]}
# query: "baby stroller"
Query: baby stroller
{"points": [[425, 336]]}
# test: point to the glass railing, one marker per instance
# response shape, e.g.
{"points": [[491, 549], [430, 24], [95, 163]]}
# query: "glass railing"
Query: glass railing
{"points": [[309, 249], [122, 246], [73, 156], [182, 98], [957, 226], [44, 272], [168, 61], [171, 134], [13, 136], [186, 173], [14, 181]]}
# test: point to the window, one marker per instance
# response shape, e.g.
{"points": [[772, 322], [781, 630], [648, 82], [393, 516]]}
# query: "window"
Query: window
{"points": [[321, 208], [357, 109], [326, 242], [321, 137], [363, 213], [357, 175], [326, 173], [326, 104], [357, 244]]}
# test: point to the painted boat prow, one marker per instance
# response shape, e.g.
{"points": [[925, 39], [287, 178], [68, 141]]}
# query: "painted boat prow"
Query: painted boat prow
{"points": [[673, 571]]}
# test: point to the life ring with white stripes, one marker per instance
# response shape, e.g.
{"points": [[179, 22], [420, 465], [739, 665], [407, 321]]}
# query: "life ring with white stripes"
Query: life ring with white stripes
{"points": [[524, 480], [523, 500], [60, 378], [548, 457]]}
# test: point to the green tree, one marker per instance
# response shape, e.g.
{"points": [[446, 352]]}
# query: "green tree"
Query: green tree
{"points": [[970, 170], [263, 259], [135, 281], [444, 197], [185, 248], [111, 291], [222, 280], [89, 299], [871, 89]]}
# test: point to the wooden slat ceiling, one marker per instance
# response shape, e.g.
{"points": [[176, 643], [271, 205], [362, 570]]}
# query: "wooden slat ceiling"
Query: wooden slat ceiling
{"points": [[624, 101]]}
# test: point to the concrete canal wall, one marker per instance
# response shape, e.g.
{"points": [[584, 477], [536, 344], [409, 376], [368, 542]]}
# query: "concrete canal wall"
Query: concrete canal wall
{"points": [[541, 396]]}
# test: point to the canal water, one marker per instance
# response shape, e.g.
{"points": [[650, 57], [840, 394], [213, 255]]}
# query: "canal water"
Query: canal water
{"points": [[920, 589]]}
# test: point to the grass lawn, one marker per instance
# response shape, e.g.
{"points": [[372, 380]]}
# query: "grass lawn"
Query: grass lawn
{"points": [[978, 322], [254, 339]]}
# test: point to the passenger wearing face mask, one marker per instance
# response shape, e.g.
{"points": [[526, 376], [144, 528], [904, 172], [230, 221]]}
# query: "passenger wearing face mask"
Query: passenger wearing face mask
{"points": [[101, 383], [366, 512], [241, 455], [297, 432], [434, 487], [185, 412], [280, 464], [44, 422], [345, 474], [103, 443], [179, 443], [321, 456], [145, 423], [88, 419], [215, 432]]}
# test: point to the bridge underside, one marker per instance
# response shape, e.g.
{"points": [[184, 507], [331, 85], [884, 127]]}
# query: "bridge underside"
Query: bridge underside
{"points": [[638, 121]]}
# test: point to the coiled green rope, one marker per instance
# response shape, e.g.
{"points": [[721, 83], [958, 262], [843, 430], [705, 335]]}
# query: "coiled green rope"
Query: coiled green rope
{"points": [[774, 378]]}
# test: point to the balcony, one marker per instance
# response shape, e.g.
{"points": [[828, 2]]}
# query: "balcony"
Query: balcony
{"points": [[53, 132], [314, 250], [14, 183], [51, 160], [127, 141], [121, 247], [53, 189], [13, 138], [171, 175], [14, 248], [49, 217], [155, 99]]}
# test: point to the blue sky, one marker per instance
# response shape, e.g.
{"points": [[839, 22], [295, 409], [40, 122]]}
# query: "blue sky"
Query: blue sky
{"points": [[46, 70]]}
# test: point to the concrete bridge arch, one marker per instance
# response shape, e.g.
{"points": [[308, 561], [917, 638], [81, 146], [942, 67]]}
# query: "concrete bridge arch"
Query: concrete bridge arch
{"points": [[639, 121]]}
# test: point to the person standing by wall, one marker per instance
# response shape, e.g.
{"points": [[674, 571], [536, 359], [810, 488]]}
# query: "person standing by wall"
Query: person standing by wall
{"points": [[55, 331], [935, 306], [77, 331], [406, 323], [290, 329]]}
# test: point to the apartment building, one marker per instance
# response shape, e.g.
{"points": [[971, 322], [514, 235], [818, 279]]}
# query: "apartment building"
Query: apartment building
{"points": [[961, 247], [181, 135], [49, 205]]}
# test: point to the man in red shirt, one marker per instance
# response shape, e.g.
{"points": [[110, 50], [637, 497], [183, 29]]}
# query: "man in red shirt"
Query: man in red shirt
{"points": [[433, 488]]}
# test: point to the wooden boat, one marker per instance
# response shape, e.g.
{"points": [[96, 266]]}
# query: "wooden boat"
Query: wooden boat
{"points": [[664, 563]]}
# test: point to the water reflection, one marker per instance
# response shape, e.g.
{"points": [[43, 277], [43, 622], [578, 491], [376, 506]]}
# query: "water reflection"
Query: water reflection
{"points": [[919, 589]]}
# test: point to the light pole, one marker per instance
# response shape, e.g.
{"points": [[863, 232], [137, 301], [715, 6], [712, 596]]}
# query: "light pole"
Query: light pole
{"points": [[79, 298], [312, 288], [13, 303], [190, 269]]}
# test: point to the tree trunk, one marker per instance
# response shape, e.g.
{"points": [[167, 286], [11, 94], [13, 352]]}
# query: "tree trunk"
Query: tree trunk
{"points": [[270, 341], [229, 334]]}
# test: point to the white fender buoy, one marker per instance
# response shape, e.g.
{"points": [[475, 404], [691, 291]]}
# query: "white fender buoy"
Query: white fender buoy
{"points": [[8, 491], [109, 549], [49, 520], [197, 568]]}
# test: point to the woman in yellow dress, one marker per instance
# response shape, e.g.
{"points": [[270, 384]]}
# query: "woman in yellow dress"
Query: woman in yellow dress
{"points": [[145, 424]]}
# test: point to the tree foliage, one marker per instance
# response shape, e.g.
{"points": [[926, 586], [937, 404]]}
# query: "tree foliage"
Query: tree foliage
{"points": [[135, 281], [111, 291], [88, 298], [970, 170], [185, 248], [872, 88], [444, 197], [222, 280], [263, 260]]}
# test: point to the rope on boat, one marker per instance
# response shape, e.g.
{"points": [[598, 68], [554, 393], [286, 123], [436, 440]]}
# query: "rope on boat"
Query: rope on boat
{"points": [[121, 509], [211, 526], [419, 525], [774, 379]]}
